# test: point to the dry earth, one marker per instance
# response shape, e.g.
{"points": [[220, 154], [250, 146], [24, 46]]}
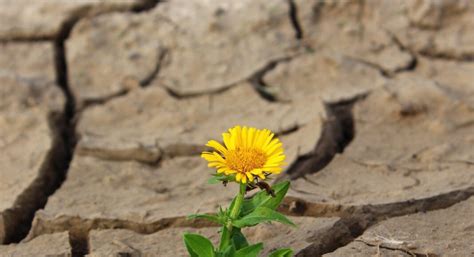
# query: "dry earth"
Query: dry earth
{"points": [[105, 106]]}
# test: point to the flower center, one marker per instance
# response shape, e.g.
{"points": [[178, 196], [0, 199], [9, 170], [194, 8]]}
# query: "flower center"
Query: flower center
{"points": [[245, 159]]}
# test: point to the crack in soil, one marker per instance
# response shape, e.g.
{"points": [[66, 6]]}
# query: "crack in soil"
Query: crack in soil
{"points": [[83, 11], [74, 223], [411, 66], [384, 72], [17, 221], [255, 79], [338, 131], [69, 24], [79, 228], [259, 84], [432, 54], [387, 73], [90, 102], [290, 130], [180, 96], [343, 232], [355, 220], [162, 53], [150, 154], [145, 82], [293, 14], [39, 39], [79, 242]]}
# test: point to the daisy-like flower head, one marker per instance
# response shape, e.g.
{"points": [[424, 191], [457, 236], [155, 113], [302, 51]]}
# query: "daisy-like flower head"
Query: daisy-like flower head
{"points": [[247, 152]]}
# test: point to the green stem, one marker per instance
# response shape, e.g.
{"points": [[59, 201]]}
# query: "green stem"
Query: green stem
{"points": [[234, 213]]}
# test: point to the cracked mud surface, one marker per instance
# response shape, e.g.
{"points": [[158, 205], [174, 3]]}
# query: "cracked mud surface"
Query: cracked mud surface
{"points": [[105, 107], [168, 241], [31, 105], [420, 234]]}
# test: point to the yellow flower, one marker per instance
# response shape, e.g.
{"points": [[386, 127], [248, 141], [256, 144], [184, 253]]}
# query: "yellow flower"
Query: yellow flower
{"points": [[247, 152]]}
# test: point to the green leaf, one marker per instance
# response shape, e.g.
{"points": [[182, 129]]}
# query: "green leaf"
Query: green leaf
{"points": [[261, 214], [229, 251], [249, 251], [198, 246], [231, 206], [285, 252], [190, 251], [210, 217], [221, 213], [188, 247], [238, 239], [213, 180], [220, 177], [224, 243], [263, 199]]}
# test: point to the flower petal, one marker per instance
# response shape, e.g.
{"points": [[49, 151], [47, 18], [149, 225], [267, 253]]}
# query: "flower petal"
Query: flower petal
{"points": [[244, 179], [216, 145], [229, 143], [238, 177], [256, 171], [249, 176], [251, 137]]}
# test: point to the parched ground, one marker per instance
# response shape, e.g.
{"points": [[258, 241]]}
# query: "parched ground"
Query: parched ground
{"points": [[105, 106]]}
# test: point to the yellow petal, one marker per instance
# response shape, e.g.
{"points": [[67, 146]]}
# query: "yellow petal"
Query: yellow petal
{"points": [[251, 137], [244, 136], [221, 170], [256, 171], [267, 140], [238, 177], [204, 154], [273, 147], [272, 143], [275, 159], [229, 143], [249, 175], [278, 152], [210, 157], [229, 171], [258, 139], [272, 169], [216, 145], [218, 157], [215, 164], [236, 135]]}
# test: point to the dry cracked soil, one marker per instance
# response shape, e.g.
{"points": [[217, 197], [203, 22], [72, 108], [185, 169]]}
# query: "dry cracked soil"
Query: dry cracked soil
{"points": [[105, 106]]}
